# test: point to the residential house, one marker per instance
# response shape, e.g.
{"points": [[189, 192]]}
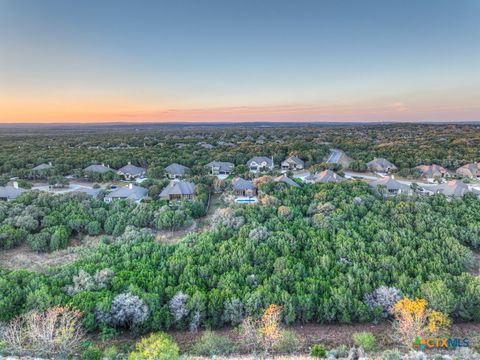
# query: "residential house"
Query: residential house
{"points": [[453, 188], [293, 163], [100, 169], [242, 187], [132, 172], [11, 192], [469, 170], [432, 171], [302, 175], [206, 146], [285, 179], [92, 192], [178, 190], [43, 167], [217, 168], [392, 186], [175, 171], [260, 163], [381, 165], [130, 192], [326, 176]]}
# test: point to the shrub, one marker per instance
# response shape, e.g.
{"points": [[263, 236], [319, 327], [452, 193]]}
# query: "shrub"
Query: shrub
{"points": [[94, 228], [415, 355], [178, 306], [233, 311], [318, 351], [439, 296], [92, 353], [86, 282], [157, 346], [338, 352], [111, 353], [211, 344], [365, 340], [392, 355], [55, 331], [227, 218], [383, 298], [249, 334], [107, 333], [465, 353], [127, 310], [287, 343]]}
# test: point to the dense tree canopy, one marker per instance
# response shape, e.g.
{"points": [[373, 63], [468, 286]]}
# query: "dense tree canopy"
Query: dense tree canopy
{"points": [[317, 250]]}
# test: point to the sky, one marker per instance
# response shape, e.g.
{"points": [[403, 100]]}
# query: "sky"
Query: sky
{"points": [[239, 60]]}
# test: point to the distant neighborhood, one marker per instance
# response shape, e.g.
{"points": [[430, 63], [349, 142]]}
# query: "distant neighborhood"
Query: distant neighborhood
{"points": [[379, 173]]}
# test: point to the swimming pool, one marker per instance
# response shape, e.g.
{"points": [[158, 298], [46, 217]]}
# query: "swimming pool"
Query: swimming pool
{"points": [[246, 200]]}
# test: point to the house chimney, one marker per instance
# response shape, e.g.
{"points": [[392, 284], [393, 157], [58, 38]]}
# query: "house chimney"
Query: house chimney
{"points": [[130, 186], [15, 185]]}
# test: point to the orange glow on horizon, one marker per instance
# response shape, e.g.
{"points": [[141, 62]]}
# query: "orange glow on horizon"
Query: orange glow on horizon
{"points": [[51, 112]]}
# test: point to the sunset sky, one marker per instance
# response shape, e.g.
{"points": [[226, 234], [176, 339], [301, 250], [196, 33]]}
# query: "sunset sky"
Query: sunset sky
{"points": [[239, 60]]}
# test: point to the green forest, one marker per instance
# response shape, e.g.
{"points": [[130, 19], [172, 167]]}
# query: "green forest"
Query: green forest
{"points": [[317, 250]]}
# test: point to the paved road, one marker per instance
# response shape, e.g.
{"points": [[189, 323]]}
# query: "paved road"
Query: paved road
{"points": [[350, 174], [334, 156], [70, 188]]}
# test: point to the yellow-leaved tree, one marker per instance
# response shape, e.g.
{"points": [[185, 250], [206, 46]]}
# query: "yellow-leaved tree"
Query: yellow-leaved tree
{"points": [[414, 319]]}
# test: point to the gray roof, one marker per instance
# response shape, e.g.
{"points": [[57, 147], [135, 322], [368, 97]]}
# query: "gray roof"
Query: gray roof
{"points": [[390, 183], [130, 192], [326, 176], [176, 169], [455, 188], [97, 169], [260, 159], [132, 170], [430, 171], [471, 170], [42, 167], [178, 187], [285, 179], [242, 184], [380, 164], [10, 192], [89, 191], [294, 160], [221, 165]]}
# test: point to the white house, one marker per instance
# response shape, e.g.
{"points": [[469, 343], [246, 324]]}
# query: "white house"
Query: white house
{"points": [[260, 163], [293, 163]]}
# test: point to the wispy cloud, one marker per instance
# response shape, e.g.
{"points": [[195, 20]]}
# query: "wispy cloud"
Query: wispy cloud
{"points": [[400, 106]]}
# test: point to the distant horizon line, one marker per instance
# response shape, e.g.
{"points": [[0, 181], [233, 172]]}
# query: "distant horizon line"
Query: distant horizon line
{"points": [[267, 122]]}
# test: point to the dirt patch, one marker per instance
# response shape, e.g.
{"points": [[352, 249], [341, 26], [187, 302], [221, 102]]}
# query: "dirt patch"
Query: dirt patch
{"points": [[198, 225], [171, 237], [22, 257]]}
